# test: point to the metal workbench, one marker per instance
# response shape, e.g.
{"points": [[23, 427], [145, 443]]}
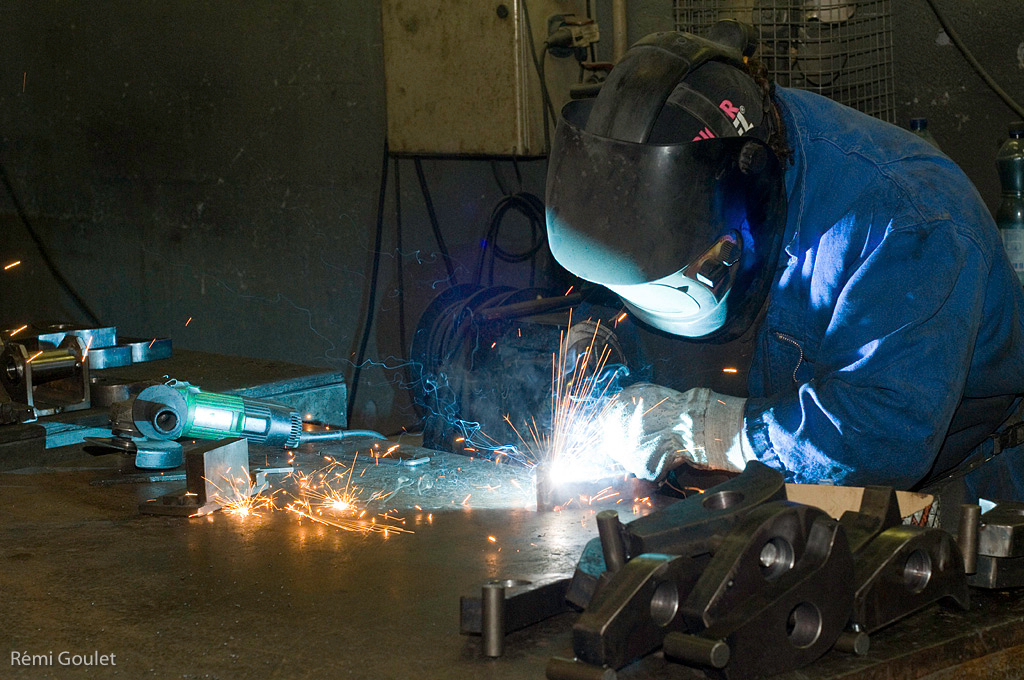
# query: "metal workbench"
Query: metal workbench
{"points": [[276, 596]]}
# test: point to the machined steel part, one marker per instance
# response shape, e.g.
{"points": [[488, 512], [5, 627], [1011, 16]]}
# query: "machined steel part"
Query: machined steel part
{"points": [[772, 593], [745, 584], [151, 349], [524, 602], [778, 590], [54, 334], [903, 570], [967, 536], [692, 527], [1000, 558], [49, 380], [114, 356], [492, 610], [899, 569], [105, 348], [630, 616]]}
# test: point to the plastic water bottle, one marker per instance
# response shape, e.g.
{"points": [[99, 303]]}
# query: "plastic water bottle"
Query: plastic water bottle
{"points": [[919, 126], [1010, 214]]}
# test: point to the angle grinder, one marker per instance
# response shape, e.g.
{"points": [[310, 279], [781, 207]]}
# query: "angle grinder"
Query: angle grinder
{"points": [[178, 409]]}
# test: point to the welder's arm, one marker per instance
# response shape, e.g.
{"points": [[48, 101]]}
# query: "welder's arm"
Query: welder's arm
{"points": [[698, 427], [890, 370]]}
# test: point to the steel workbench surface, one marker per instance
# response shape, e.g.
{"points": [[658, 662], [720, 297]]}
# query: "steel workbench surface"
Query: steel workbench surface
{"points": [[278, 596]]}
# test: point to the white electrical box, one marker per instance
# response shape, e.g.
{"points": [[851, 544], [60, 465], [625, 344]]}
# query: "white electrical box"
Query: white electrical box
{"points": [[461, 79]]}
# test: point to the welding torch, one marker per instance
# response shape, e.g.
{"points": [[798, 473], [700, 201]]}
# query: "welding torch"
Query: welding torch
{"points": [[178, 409]]}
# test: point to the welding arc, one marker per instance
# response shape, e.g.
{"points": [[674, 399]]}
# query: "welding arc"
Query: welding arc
{"points": [[44, 251]]}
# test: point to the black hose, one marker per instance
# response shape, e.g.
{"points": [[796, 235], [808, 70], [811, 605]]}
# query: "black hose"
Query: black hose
{"points": [[434, 224], [399, 263], [975, 64], [44, 252], [372, 296], [529, 206]]}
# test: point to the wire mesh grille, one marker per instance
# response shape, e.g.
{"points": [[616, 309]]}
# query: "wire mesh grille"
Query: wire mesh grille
{"points": [[841, 49]]}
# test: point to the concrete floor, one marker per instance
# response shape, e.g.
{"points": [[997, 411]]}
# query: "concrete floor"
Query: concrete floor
{"points": [[274, 597]]}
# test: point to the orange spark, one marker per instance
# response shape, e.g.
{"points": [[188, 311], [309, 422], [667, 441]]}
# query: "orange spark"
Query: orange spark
{"points": [[152, 341], [492, 539], [15, 332], [729, 370], [33, 356], [12, 265], [189, 321]]}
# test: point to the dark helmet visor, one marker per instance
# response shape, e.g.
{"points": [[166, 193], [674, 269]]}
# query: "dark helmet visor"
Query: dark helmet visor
{"points": [[623, 213]]}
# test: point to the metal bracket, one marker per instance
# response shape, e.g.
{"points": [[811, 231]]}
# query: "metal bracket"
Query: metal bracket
{"points": [[48, 381], [216, 473]]}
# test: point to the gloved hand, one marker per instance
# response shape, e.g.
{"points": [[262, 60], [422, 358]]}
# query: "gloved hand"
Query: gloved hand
{"points": [[699, 427]]}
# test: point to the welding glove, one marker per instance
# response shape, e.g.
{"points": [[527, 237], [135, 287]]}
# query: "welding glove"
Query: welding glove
{"points": [[698, 427]]}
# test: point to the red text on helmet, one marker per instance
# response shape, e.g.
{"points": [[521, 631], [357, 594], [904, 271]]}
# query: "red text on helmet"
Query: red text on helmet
{"points": [[739, 121]]}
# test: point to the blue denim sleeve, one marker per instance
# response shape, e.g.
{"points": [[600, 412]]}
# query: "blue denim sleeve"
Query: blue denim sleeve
{"points": [[890, 370]]}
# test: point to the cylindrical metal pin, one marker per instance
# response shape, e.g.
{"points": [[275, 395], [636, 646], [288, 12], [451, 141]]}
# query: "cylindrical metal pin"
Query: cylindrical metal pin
{"points": [[569, 669], [492, 619], [850, 642], [967, 537], [697, 651], [609, 529]]}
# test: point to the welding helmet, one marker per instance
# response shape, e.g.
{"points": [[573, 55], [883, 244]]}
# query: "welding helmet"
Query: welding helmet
{"points": [[663, 188]]}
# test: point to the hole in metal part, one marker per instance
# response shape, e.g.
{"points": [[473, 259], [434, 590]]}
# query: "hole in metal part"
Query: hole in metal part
{"points": [[11, 368], [664, 603], [803, 626], [917, 572], [777, 557], [722, 500]]}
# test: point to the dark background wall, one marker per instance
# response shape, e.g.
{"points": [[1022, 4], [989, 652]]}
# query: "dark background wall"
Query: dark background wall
{"points": [[222, 162]]}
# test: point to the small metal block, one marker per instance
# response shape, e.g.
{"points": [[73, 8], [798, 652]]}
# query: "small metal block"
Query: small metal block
{"points": [[215, 472]]}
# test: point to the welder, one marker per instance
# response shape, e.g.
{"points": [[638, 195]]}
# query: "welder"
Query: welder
{"points": [[890, 344]]}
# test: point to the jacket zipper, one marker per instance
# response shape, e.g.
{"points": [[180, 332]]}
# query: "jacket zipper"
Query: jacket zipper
{"points": [[792, 341]]}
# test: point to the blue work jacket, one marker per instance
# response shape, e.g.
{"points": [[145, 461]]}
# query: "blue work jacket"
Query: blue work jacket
{"points": [[892, 345]]}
